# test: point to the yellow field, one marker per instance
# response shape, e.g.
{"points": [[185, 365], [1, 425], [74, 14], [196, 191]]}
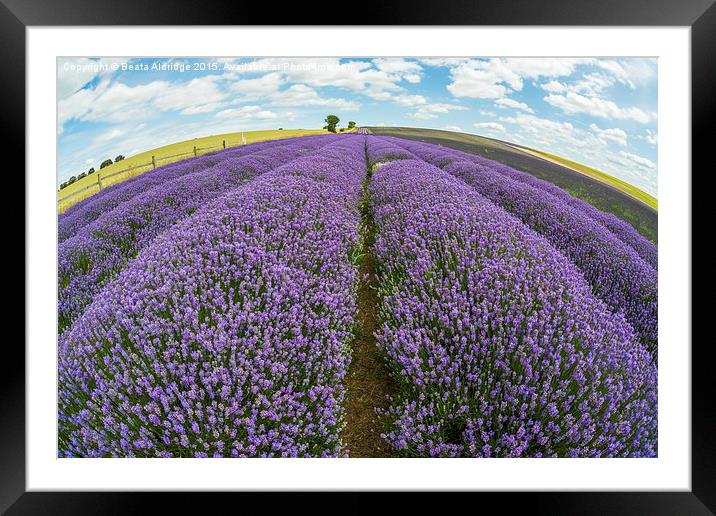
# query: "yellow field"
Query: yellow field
{"points": [[185, 149]]}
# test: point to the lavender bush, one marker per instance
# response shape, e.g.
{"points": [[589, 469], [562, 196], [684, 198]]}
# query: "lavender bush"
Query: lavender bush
{"points": [[91, 258], [227, 337], [381, 150], [497, 342], [617, 274]]}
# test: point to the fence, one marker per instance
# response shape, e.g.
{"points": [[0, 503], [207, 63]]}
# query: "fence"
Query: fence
{"points": [[102, 178]]}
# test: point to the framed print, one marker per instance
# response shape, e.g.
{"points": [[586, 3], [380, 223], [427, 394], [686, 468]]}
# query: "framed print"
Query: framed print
{"points": [[448, 252]]}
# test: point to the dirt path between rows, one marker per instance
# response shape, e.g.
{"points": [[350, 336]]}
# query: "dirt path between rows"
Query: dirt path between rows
{"points": [[368, 381]]}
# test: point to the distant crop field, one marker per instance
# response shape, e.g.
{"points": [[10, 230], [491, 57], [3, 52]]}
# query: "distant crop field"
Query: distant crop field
{"points": [[176, 151]]}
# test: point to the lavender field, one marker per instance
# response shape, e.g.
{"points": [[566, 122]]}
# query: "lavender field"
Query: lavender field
{"points": [[352, 295]]}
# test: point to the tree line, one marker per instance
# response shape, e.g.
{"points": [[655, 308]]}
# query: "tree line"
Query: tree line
{"points": [[91, 171]]}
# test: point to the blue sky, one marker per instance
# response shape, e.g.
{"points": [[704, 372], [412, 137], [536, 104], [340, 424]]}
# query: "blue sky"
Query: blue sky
{"points": [[598, 111]]}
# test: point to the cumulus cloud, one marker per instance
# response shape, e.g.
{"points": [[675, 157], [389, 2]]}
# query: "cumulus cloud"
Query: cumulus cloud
{"points": [[554, 87], [640, 161], [302, 95], [400, 66], [615, 134], [75, 72], [495, 78], [428, 111], [247, 113], [453, 128], [490, 127], [575, 103], [651, 137], [511, 103], [119, 102]]}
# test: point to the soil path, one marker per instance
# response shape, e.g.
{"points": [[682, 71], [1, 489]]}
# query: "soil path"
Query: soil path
{"points": [[368, 381]]}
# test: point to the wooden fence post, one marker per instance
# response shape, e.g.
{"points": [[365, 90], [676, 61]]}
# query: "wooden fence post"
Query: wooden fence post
{"points": [[224, 143], [154, 162], [99, 180], [194, 150]]}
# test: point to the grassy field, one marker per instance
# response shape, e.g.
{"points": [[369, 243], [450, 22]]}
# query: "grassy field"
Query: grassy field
{"points": [[184, 150], [612, 196], [625, 187]]}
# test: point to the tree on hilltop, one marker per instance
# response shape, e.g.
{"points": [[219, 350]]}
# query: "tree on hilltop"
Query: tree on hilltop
{"points": [[331, 123]]}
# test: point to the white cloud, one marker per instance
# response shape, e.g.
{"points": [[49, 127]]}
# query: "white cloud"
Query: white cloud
{"points": [[444, 61], [410, 100], [302, 95], [511, 103], [640, 161], [615, 134], [259, 87], [428, 111], [397, 65], [585, 146], [453, 128], [483, 79], [633, 72], [545, 132], [651, 137], [75, 72], [491, 127], [535, 67], [247, 113], [554, 87], [119, 102], [574, 103], [109, 136], [358, 76], [205, 108], [493, 78]]}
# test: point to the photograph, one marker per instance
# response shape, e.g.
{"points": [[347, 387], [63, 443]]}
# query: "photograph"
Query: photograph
{"points": [[357, 257]]}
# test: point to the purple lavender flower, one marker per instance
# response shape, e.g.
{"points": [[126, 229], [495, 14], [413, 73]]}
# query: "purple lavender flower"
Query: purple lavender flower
{"points": [[614, 269], [91, 258], [498, 345], [228, 335]]}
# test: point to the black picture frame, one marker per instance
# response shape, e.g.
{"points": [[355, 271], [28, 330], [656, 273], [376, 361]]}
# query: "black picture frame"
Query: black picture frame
{"points": [[699, 15]]}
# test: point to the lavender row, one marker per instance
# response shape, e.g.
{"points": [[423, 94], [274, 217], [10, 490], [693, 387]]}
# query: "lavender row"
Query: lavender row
{"points": [[382, 150], [497, 343], [88, 210], [441, 157], [617, 274], [91, 258], [227, 337]]}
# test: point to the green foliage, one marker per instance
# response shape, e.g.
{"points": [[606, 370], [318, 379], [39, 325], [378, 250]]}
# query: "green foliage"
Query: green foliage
{"points": [[118, 158], [105, 163], [351, 124], [90, 171], [331, 123], [83, 174]]}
